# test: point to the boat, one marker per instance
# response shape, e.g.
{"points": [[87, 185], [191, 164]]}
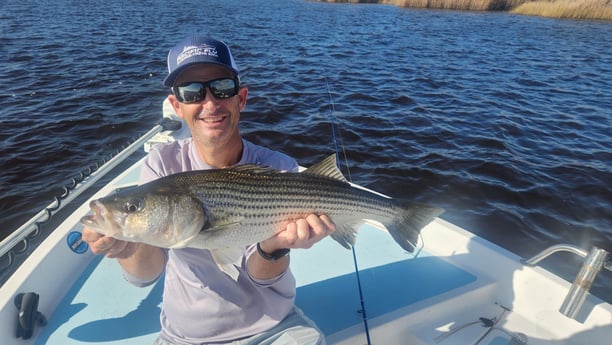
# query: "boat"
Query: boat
{"points": [[457, 288]]}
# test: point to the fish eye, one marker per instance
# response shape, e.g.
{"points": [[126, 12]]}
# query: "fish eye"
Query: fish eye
{"points": [[133, 206]]}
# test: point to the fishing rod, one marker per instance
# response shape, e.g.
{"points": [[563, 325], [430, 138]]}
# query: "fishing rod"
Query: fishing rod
{"points": [[333, 127], [79, 184]]}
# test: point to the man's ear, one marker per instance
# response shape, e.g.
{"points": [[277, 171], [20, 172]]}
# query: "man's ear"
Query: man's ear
{"points": [[243, 92], [175, 105]]}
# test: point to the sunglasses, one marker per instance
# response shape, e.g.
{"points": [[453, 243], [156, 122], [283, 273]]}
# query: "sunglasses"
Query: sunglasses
{"points": [[194, 92]]}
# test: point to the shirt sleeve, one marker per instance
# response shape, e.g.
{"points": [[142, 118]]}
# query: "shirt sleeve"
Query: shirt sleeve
{"points": [[272, 282], [139, 282]]}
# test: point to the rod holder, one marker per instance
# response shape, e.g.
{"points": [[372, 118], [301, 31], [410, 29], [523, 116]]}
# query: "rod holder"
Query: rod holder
{"points": [[594, 261]]}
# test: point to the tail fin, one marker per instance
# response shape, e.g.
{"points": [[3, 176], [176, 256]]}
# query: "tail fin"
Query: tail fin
{"points": [[413, 217]]}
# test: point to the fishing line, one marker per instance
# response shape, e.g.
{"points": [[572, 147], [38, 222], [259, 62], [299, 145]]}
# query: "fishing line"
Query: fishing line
{"points": [[417, 249], [333, 128]]}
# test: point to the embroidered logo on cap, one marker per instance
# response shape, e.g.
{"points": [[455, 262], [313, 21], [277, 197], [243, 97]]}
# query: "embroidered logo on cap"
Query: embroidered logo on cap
{"points": [[190, 51]]}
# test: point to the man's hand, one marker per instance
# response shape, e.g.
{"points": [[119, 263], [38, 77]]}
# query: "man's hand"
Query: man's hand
{"points": [[303, 233], [108, 246], [138, 259]]}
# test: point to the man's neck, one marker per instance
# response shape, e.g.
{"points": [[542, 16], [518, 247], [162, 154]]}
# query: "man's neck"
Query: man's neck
{"points": [[221, 156]]}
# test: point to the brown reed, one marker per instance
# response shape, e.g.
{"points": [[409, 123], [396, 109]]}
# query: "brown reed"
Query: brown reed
{"points": [[574, 9], [465, 5], [571, 9]]}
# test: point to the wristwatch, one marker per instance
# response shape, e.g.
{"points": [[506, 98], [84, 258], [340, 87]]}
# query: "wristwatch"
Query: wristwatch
{"points": [[277, 254]]}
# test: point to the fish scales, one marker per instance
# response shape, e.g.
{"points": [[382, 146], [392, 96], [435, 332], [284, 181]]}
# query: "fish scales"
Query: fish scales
{"points": [[298, 197], [268, 203]]}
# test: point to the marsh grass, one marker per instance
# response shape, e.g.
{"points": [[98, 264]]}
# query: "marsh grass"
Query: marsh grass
{"points": [[464, 5], [573, 9]]}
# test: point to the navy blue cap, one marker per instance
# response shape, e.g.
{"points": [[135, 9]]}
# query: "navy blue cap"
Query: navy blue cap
{"points": [[195, 50]]}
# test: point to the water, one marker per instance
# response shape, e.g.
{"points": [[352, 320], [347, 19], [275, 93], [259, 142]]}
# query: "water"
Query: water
{"points": [[503, 120]]}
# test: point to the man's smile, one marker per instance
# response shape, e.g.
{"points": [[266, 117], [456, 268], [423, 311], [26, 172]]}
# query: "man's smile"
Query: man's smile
{"points": [[213, 119]]}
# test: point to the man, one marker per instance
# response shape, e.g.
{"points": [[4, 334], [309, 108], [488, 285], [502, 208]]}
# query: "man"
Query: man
{"points": [[201, 303]]}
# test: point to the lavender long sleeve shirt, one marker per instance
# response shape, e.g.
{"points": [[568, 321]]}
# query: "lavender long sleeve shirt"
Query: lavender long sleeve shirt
{"points": [[201, 304]]}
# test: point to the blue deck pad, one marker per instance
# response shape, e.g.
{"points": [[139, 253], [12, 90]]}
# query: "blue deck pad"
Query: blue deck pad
{"points": [[390, 279], [334, 304], [102, 308]]}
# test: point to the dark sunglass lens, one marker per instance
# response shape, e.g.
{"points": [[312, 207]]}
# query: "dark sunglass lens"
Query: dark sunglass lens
{"points": [[191, 93], [223, 88]]}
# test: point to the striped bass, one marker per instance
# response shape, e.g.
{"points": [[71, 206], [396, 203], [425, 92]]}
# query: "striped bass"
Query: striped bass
{"points": [[220, 209]]}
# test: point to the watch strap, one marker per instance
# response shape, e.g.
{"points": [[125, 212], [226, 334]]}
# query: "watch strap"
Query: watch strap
{"points": [[277, 254]]}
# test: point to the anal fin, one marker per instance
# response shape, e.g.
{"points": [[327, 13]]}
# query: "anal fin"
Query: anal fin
{"points": [[345, 234]]}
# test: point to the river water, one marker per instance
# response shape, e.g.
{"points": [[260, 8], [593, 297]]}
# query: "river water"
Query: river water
{"points": [[503, 120]]}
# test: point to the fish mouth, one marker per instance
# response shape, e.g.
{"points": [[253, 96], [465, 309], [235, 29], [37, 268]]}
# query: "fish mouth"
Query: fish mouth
{"points": [[100, 219], [97, 214]]}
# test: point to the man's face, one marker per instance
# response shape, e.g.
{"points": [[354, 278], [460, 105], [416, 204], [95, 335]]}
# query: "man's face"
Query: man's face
{"points": [[212, 122]]}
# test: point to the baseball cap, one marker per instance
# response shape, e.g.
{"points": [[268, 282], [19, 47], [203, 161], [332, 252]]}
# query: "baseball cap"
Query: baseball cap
{"points": [[195, 50]]}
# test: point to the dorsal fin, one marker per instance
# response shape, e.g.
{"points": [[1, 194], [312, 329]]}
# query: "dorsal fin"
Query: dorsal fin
{"points": [[328, 168]]}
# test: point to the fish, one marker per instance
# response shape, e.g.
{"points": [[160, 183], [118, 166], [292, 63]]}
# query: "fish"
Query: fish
{"points": [[225, 210]]}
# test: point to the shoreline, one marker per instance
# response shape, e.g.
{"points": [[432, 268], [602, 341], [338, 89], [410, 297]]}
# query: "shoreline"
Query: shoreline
{"points": [[561, 9]]}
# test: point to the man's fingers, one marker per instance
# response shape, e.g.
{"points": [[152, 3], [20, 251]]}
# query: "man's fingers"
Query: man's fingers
{"points": [[303, 230], [331, 227], [321, 225], [90, 236]]}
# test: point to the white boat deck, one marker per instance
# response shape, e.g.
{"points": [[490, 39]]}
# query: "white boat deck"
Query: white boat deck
{"points": [[436, 297]]}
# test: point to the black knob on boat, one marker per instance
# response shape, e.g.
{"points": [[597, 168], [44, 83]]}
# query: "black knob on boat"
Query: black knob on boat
{"points": [[27, 304], [170, 125]]}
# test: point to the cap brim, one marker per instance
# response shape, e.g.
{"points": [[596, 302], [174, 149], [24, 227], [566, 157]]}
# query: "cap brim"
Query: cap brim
{"points": [[170, 78]]}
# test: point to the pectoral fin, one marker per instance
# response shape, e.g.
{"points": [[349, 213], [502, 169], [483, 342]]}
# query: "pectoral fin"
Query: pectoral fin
{"points": [[227, 260]]}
